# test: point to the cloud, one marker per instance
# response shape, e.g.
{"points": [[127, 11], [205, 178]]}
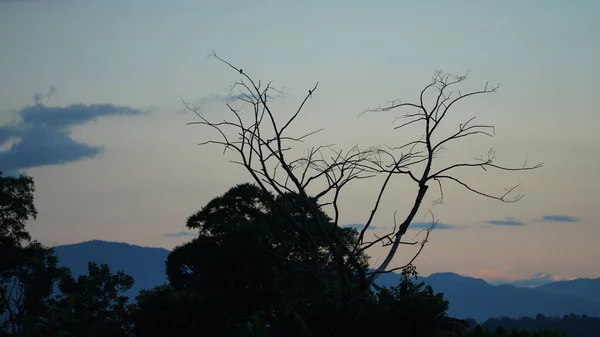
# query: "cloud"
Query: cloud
{"points": [[231, 98], [492, 275], [39, 97], [506, 222], [242, 96], [427, 225], [559, 218], [218, 98], [359, 227], [179, 235], [43, 134], [533, 281], [198, 105]]}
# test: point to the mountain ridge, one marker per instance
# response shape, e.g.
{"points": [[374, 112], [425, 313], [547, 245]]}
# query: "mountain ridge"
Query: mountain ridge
{"points": [[468, 296]]}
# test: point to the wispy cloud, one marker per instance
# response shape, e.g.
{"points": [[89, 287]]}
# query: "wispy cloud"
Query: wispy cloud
{"points": [[533, 281], [42, 136], [559, 218], [218, 98], [491, 275], [427, 225], [180, 234], [359, 227], [239, 97], [198, 105], [506, 222], [233, 96]]}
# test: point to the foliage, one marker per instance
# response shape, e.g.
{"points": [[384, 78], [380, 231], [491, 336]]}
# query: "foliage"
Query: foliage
{"points": [[164, 311], [250, 262], [16, 207], [28, 287], [92, 305], [28, 271]]}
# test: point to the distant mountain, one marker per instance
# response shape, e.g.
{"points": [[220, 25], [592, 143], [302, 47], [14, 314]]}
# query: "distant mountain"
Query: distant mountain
{"points": [[145, 264], [535, 281], [475, 298], [583, 288], [469, 297]]}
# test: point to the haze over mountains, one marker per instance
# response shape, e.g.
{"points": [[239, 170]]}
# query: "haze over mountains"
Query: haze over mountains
{"points": [[469, 297], [536, 280]]}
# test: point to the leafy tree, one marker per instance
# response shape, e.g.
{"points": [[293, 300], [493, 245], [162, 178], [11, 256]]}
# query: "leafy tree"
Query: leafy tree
{"points": [[93, 304], [28, 271], [38, 298], [164, 311], [16, 207], [28, 288], [249, 262], [250, 272]]}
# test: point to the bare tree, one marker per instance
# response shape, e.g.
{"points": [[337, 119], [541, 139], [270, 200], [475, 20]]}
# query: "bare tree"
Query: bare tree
{"points": [[262, 142]]}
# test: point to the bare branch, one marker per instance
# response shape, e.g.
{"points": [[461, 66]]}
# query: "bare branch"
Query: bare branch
{"points": [[491, 196], [432, 118], [264, 158], [412, 260], [264, 144]]}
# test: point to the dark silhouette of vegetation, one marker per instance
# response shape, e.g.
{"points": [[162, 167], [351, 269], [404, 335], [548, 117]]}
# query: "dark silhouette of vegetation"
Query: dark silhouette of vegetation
{"points": [[572, 325], [27, 269], [93, 304], [248, 265], [37, 298], [248, 273]]}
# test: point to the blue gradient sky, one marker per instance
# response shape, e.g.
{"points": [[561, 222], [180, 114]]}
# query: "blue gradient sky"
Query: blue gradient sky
{"points": [[129, 170]]}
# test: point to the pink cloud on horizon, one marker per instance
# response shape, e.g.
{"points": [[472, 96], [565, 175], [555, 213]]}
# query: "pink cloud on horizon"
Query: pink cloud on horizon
{"points": [[502, 275], [561, 278]]}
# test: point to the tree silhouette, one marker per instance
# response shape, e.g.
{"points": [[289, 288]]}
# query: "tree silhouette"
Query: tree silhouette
{"points": [[93, 304], [28, 270], [38, 298], [261, 142], [248, 263]]}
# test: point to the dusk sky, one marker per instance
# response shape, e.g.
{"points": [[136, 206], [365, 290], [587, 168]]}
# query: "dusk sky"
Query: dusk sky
{"points": [[91, 107]]}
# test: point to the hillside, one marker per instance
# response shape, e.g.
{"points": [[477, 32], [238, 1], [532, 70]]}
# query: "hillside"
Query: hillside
{"points": [[584, 288], [145, 264]]}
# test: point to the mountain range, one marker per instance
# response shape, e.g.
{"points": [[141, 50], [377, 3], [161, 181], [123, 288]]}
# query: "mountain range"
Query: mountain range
{"points": [[469, 297]]}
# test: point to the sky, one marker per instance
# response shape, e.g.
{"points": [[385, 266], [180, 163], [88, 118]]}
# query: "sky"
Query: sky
{"points": [[91, 107]]}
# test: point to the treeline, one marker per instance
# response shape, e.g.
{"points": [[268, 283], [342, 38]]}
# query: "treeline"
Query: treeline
{"points": [[572, 325]]}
